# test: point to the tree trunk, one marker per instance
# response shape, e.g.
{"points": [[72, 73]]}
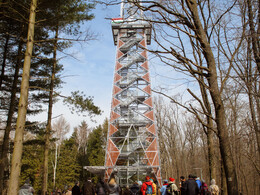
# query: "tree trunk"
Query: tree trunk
{"points": [[210, 133], [175, 163], [254, 118], [5, 147], [224, 190], [55, 165], [22, 108], [211, 151], [254, 35], [217, 101], [4, 60], [254, 109], [48, 127]]}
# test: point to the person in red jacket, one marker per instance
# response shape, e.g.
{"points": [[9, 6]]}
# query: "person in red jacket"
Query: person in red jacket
{"points": [[146, 186]]}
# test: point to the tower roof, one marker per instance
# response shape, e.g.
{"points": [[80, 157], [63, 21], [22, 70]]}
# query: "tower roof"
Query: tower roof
{"points": [[131, 18], [129, 25]]}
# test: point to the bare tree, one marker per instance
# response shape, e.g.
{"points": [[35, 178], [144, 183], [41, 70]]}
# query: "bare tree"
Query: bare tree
{"points": [[253, 20], [194, 20], [217, 45], [60, 128], [180, 134], [82, 132]]}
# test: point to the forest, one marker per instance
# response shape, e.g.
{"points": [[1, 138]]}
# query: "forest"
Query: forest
{"points": [[212, 131]]}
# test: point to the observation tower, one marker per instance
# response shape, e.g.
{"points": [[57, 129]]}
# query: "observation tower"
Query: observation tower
{"points": [[132, 150]]}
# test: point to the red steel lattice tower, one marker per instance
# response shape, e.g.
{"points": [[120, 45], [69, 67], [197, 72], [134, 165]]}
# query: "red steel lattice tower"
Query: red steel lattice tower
{"points": [[132, 146]]}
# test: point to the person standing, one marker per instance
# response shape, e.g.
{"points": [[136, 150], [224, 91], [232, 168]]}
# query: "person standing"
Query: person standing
{"points": [[213, 188], [88, 188], [101, 188], [26, 189], [172, 188], [182, 190], [163, 189], [113, 187], [191, 187], [147, 187], [76, 189], [204, 188], [69, 192], [135, 189], [157, 187], [197, 179], [154, 187]]}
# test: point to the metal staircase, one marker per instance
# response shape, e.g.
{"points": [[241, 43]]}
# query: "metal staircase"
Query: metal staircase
{"points": [[132, 148]]}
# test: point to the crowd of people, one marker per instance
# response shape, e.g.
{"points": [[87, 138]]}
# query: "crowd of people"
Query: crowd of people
{"points": [[192, 186]]}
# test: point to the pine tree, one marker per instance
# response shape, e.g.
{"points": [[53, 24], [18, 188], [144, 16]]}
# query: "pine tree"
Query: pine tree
{"points": [[52, 16], [18, 145], [68, 169], [14, 23], [67, 14], [32, 159], [96, 145]]}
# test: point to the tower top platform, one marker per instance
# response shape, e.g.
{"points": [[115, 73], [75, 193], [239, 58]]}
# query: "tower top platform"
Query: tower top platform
{"points": [[119, 24]]}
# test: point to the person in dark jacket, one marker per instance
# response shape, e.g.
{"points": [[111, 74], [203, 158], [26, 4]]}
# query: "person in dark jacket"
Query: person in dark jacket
{"points": [[76, 189], [88, 188], [101, 187], [191, 187], [135, 189], [182, 190]]}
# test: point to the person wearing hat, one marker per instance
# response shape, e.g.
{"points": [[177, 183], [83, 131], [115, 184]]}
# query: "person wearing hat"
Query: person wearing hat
{"points": [[154, 187], [172, 186], [197, 179], [147, 187], [163, 189], [26, 189]]}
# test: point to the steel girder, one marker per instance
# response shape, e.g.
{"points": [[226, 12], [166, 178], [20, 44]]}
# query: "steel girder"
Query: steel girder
{"points": [[132, 150]]}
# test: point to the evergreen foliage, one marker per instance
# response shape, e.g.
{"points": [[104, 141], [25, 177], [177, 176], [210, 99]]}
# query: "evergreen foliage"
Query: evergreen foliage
{"points": [[71, 158], [79, 103], [96, 146], [95, 149], [62, 15], [68, 169], [32, 161]]}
